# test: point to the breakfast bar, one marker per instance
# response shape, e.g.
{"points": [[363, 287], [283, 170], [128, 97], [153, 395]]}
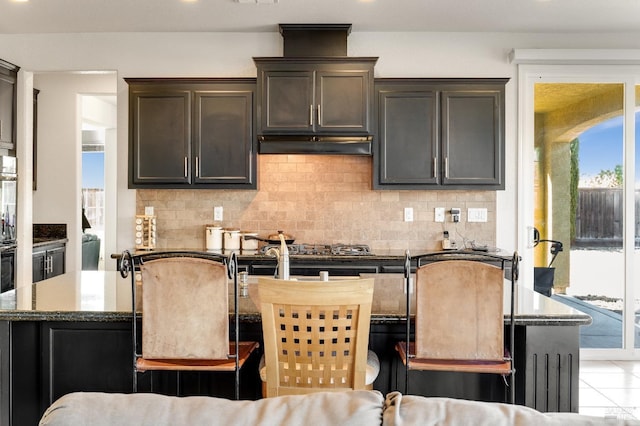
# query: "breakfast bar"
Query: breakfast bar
{"points": [[73, 333]]}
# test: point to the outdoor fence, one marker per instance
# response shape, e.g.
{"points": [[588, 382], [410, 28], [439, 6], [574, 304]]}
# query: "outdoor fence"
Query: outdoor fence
{"points": [[93, 199], [599, 217]]}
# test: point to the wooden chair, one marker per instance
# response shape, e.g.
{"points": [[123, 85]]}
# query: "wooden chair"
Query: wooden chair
{"points": [[185, 316], [316, 335], [459, 319]]}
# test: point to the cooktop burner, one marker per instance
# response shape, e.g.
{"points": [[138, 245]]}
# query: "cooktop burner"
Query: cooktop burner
{"points": [[323, 249]]}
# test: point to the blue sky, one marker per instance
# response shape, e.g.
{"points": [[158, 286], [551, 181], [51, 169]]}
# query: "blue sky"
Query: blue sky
{"points": [[601, 147], [93, 170]]}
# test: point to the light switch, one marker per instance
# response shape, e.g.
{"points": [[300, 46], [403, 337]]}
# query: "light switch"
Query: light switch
{"points": [[408, 214], [217, 213]]}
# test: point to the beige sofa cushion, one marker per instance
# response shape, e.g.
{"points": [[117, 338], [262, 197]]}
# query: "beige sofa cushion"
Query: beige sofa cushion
{"points": [[405, 410], [323, 408]]}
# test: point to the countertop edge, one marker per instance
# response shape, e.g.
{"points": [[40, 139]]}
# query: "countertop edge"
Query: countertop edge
{"points": [[99, 316]]}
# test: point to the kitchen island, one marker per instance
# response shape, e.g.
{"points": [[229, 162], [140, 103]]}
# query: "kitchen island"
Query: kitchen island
{"points": [[73, 333]]}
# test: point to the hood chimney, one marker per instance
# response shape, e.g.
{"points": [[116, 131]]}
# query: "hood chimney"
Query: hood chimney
{"points": [[315, 40]]}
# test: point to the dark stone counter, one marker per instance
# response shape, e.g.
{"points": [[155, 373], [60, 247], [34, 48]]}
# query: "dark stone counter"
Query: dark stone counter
{"points": [[106, 296], [256, 263], [41, 242]]}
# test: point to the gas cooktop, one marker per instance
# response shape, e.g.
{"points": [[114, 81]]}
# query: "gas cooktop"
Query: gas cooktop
{"points": [[323, 249]]}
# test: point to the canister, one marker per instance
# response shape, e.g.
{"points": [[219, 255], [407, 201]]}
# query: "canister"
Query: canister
{"points": [[248, 244], [213, 235], [231, 238]]}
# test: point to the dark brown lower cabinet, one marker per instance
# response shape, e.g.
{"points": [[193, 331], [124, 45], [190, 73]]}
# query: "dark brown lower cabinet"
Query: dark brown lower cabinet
{"points": [[48, 261], [41, 361]]}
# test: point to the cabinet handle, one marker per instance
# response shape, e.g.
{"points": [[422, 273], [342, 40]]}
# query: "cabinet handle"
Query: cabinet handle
{"points": [[310, 115], [0, 129], [435, 167], [446, 167], [319, 116], [197, 166], [186, 165]]}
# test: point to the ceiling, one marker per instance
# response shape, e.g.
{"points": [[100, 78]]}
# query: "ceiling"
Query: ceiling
{"points": [[530, 16]]}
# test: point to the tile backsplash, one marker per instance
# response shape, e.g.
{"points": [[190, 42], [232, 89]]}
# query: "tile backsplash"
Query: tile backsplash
{"points": [[319, 199]]}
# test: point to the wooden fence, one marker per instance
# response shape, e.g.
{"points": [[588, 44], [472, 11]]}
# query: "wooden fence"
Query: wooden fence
{"points": [[94, 207], [599, 217]]}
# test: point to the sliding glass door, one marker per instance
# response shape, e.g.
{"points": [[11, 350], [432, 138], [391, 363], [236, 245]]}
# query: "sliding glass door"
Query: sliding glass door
{"points": [[582, 197]]}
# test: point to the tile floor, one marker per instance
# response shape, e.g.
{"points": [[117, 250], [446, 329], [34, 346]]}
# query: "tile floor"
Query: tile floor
{"points": [[610, 389]]}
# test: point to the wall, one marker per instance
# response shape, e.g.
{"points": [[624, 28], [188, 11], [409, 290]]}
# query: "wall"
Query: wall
{"points": [[318, 199], [229, 54], [58, 199]]}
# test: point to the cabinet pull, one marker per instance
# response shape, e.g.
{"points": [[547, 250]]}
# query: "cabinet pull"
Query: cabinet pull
{"points": [[186, 165], [0, 129], [197, 166], [310, 115], [435, 167], [319, 116], [446, 167]]}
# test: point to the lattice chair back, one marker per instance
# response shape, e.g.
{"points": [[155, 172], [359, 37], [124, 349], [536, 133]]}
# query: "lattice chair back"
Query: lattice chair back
{"points": [[315, 334]]}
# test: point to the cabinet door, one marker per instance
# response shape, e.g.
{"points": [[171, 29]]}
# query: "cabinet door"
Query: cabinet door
{"points": [[84, 357], [287, 101], [224, 137], [57, 257], [407, 135], [38, 265], [473, 150], [160, 136], [342, 101], [7, 111]]}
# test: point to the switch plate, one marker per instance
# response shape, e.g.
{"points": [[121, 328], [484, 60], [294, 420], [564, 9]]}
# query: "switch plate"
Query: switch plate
{"points": [[217, 213], [408, 214], [476, 215], [439, 214]]}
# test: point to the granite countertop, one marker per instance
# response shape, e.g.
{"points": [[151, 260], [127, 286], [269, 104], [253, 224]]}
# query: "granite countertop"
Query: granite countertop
{"points": [[39, 242], [106, 296]]}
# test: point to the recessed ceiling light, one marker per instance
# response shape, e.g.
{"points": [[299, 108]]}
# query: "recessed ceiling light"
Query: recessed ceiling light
{"points": [[20, 1]]}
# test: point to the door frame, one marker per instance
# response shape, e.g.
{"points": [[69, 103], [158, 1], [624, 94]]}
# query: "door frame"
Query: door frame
{"points": [[595, 67]]}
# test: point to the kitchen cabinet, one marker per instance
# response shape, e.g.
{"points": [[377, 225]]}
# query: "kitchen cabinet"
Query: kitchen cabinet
{"points": [[192, 133], [440, 134], [48, 261], [307, 96], [8, 77]]}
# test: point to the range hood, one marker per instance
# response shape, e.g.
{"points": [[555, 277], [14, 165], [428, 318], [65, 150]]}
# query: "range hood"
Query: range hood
{"points": [[328, 145], [289, 118]]}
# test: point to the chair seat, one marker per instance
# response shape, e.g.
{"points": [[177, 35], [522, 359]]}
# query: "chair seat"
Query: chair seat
{"points": [[373, 368], [456, 365], [246, 348]]}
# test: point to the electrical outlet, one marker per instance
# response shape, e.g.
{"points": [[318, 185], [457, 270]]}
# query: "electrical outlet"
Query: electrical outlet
{"points": [[217, 213], [455, 214], [476, 215], [408, 214], [439, 214]]}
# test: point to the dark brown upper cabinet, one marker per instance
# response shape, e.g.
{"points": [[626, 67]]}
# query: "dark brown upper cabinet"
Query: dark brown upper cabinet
{"points": [[439, 134], [8, 77], [192, 133], [311, 95]]}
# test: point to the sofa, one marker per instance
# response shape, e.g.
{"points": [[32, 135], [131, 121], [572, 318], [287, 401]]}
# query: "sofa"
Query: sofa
{"points": [[323, 408], [90, 252]]}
